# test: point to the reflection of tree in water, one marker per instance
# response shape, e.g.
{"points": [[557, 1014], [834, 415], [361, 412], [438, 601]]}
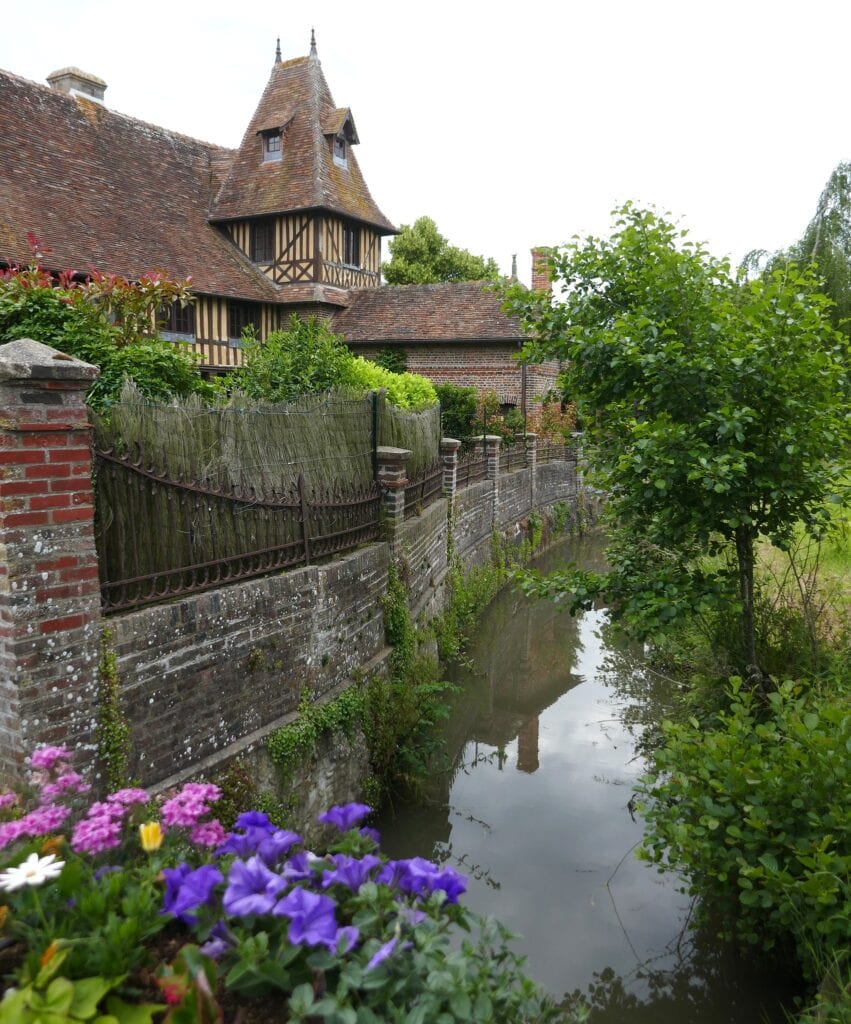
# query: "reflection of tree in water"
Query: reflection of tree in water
{"points": [[643, 696], [702, 987]]}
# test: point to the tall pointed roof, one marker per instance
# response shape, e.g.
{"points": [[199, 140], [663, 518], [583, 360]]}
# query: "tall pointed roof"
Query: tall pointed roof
{"points": [[297, 102]]}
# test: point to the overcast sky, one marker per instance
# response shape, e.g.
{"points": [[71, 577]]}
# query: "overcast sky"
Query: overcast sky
{"points": [[510, 125]]}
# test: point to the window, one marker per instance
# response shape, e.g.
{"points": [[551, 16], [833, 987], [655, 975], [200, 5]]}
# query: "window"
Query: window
{"points": [[177, 320], [263, 241], [272, 149], [351, 245], [240, 316], [340, 151]]}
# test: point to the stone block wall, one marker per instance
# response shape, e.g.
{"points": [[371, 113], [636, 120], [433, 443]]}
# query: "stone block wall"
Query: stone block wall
{"points": [[210, 675], [423, 552]]}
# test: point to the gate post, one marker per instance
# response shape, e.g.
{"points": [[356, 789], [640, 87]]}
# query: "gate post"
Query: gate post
{"points": [[49, 589], [392, 481]]}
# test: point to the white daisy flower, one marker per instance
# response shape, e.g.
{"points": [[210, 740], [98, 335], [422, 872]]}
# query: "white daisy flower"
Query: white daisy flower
{"points": [[34, 871]]}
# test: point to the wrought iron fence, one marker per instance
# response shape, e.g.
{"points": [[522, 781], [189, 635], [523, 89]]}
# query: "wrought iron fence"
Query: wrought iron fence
{"points": [[472, 466], [423, 490], [555, 451], [160, 538], [513, 454]]}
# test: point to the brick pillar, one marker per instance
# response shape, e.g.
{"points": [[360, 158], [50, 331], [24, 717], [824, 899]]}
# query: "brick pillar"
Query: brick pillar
{"points": [[49, 591], [491, 443], [392, 480], [531, 442], [449, 457]]}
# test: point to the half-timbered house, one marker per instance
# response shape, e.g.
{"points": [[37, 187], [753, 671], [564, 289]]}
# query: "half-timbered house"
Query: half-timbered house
{"points": [[285, 223]]}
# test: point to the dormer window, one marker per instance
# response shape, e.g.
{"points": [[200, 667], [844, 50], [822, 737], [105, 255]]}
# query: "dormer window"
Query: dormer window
{"points": [[272, 149], [340, 157]]}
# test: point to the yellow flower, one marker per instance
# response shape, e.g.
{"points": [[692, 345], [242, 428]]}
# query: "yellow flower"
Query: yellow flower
{"points": [[151, 836], [49, 953], [52, 845]]}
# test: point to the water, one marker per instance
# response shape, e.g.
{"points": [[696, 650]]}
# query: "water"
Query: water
{"points": [[536, 812]]}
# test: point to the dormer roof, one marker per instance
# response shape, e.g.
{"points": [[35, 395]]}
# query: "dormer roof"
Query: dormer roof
{"points": [[298, 102]]}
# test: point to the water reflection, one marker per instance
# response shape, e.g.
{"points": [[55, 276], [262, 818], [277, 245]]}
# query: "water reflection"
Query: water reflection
{"points": [[544, 745]]}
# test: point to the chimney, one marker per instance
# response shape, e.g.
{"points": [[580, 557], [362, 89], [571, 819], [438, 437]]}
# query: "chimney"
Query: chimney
{"points": [[541, 269], [75, 82]]}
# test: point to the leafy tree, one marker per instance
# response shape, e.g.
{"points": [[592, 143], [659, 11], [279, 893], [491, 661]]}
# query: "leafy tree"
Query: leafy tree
{"points": [[715, 411], [419, 254], [826, 244]]}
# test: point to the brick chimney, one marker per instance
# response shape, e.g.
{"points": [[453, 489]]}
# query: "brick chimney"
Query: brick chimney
{"points": [[541, 269], [75, 82]]}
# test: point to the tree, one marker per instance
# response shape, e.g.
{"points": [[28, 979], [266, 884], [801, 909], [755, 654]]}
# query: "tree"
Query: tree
{"points": [[825, 244], [714, 411], [419, 254]]}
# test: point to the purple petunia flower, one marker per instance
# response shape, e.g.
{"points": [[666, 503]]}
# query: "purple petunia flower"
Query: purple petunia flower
{"points": [[254, 819], [419, 877], [299, 868], [221, 940], [371, 833], [312, 920], [276, 845], [345, 816], [382, 954], [189, 889], [349, 871], [252, 888]]}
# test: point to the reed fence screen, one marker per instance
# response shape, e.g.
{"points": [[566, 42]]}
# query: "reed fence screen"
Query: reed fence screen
{"points": [[190, 497]]}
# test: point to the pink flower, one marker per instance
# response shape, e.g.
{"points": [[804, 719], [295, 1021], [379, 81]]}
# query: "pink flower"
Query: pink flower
{"points": [[190, 804], [46, 757], [69, 782], [208, 833], [127, 797], [8, 800], [12, 830], [40, 822], [94, 835]]}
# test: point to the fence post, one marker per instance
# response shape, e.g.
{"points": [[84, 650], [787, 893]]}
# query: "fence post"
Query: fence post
{"points": [[392, 480], [491, 443], [49, 589], [449, 457]]}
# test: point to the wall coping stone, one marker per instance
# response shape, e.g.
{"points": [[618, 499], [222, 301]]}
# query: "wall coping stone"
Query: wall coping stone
{"points": [[26, 359]]}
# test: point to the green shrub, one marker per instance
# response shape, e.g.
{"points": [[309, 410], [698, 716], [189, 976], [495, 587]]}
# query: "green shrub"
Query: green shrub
{"points": [[753, 809], [457, 410], [405, 390]]}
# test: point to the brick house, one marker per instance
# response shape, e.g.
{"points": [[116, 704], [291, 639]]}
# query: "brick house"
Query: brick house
{"points": [[283, 224]]}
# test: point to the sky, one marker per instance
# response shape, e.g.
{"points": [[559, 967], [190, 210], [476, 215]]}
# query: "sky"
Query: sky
{"points": [[511, 125]]}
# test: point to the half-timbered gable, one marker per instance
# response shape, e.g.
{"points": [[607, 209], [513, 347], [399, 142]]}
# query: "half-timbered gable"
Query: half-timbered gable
{"points": [[301, 212]]}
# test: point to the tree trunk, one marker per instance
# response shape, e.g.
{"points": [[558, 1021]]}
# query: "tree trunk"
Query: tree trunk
{"points": [[745, 556]]}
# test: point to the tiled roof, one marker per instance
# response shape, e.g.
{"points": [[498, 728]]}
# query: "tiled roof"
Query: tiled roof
{"points": [[107, 191], [297, 97], [468, 311]]}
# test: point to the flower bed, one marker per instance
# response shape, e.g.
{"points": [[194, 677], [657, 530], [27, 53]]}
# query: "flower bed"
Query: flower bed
{"points": [[348, 936]]}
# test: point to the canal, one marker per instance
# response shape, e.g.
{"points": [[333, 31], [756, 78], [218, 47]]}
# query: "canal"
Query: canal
{"points": [[544, 749]]}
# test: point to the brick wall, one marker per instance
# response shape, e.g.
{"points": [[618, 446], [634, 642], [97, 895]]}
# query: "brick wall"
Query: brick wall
{"points": [[49, 591], [488, 367]]}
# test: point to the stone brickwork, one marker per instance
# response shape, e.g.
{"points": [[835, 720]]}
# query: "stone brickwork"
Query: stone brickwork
{"points": [[423, 552], [49, 592], [206, 677]]}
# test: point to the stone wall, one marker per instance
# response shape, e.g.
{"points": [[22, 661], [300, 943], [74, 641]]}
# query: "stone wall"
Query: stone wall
{"points": [[205, 678]]}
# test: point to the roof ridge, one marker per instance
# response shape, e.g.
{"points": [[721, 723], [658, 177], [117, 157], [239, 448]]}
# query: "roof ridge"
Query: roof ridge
{"points": [[65, 97]]}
